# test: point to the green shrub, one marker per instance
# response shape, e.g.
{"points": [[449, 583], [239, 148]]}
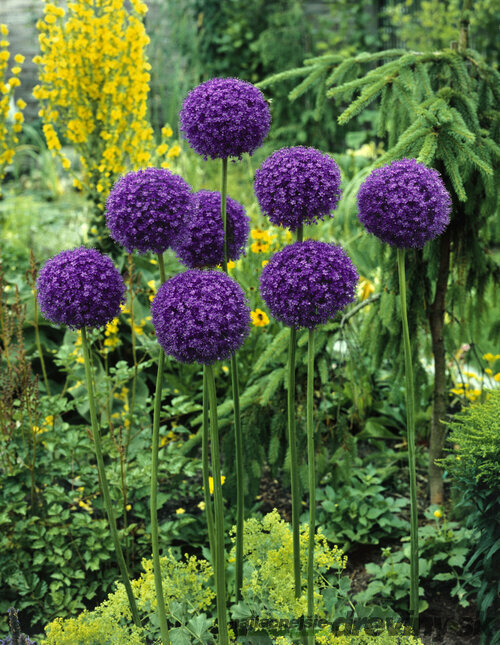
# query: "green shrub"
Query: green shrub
{"points": [[475, 468]]}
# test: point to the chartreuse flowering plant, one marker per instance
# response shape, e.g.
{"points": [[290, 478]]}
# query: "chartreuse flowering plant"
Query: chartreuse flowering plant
{"points": [[10, 125]]}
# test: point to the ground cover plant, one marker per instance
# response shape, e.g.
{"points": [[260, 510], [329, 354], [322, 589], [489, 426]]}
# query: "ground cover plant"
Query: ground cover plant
{"points": [[219, 396]]}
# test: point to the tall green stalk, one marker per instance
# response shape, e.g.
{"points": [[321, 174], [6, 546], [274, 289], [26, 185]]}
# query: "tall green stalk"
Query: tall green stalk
{"points": [[204, 460], [160, 600], [104, 482], [312, 484], [410, 425], [238, 437], [292, 443], [220, 563]]}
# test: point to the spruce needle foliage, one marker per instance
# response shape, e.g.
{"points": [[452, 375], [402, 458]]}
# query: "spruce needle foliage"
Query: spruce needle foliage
{"points": [[440, 108]]}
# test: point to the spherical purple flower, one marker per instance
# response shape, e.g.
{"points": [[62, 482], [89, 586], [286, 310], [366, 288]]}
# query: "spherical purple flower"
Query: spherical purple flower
{"points": [[200, 316], [145, 209], [80, 288], [200, 242], [404, 204], [225, 117], [298, 185], [307, 283]]}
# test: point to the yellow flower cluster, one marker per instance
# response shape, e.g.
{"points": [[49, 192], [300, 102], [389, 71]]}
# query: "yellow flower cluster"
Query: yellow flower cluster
{"points": [[10, 123], [94, 84]]}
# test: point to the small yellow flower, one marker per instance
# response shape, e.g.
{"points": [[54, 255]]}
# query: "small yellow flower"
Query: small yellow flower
{"points": [[489, 357], [497, 377], [19, 58], [231, 265], [259, 246], [438, 514], [365, 288], [211, 483], [265, 263], [167, 131], [180, 511], [174, 152], [128, 507], [225, 369], [489, 371], [259, 318], [201, 506]]}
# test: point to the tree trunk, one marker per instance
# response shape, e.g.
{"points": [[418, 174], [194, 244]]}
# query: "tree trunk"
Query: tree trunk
{"points": [[440, 394]]}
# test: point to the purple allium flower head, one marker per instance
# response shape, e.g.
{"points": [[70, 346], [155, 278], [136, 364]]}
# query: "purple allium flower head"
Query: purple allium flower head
{"points": [[80, 288], [145, 209], [200, 242], [225, 117], [200, 316], [297, 186], [307, 283], [404, 204]]}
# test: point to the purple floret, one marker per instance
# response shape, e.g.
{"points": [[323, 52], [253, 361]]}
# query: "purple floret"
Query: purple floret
{"points": [[80, 288], [307, 283], [298, 185], [200, 242], [404, 204], [200, 316], [145, 209], [225, 117]]}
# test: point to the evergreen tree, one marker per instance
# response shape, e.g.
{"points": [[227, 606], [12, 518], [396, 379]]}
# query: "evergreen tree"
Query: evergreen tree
{"points": [[441, 108]]}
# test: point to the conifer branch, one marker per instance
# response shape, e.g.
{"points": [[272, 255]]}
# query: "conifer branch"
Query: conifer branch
{"points": [[313, 77], [283, 76]]}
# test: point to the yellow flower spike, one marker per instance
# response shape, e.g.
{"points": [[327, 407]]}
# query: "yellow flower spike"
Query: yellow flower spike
{"points": [[259, 318]]}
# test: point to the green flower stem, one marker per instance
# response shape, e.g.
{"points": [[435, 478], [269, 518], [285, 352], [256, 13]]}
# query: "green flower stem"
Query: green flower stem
{"points": [[410, 424], [223, 209], [160, 600], [38, 343], [220, 563], [294, 469], [204, 459], [312, 482], [238, 437], [292, 442], [104, 482]]}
